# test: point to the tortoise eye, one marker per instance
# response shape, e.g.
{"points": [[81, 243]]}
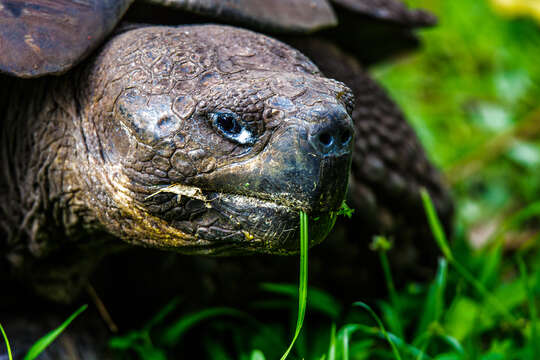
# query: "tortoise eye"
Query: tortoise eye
{"points": [[229, 125]]}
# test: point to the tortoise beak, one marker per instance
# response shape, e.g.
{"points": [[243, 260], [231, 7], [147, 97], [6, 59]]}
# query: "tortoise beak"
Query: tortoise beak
{"points": [[308, 167]]}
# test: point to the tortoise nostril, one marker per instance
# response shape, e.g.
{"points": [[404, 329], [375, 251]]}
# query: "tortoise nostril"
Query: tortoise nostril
{"points": [[326, 139], [331, 138], [345, 136]]}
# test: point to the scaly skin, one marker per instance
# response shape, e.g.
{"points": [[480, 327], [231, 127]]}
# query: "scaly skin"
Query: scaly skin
{"points": [[91, 156]]}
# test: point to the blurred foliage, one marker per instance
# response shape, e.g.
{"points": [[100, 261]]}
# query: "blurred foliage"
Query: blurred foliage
{"points": [[472, 93]]}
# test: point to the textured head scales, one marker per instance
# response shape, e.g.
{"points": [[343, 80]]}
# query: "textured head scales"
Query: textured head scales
{"points": [[212, 135]]}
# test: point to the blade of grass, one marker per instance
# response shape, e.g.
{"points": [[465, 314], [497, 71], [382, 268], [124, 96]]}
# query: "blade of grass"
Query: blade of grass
{"points": [[381, 244], [302, 288], [433, 306], [46, 340], [440, 238], [423, 340], [454, 343], [392, 313], [426, 338], [317, 300], [533, 313], [215, 350], [435, 225], [174, 332], [257, 355], [391, 317], [129, 340], [332, 347], [388, 277], [10, 357], [160, 316], [347, 330], [148, 351], [492, 263], [381, 327], [343, 337], [140, 340]]}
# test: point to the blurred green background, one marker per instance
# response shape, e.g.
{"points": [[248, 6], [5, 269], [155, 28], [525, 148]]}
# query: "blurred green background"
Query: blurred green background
{"points": [[472, 93]]}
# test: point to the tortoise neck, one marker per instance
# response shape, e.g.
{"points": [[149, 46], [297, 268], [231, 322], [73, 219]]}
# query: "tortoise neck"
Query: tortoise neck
{"points": [[44, 185], [20, 103], [42, 147]]}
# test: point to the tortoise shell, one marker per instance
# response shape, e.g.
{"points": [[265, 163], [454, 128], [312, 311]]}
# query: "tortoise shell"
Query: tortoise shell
{"points": [[40, 37]]}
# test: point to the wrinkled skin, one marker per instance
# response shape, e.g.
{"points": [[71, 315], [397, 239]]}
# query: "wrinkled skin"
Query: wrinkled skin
{"points": [[174, 138]]}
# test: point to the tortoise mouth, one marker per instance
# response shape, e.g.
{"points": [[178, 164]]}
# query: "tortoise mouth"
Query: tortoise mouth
{"points": [[227, 224]]}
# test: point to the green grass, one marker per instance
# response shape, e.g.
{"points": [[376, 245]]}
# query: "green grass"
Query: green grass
{"points": [[6, 341], [40, 345], [460, 314], [303, 284], [145, 346]]}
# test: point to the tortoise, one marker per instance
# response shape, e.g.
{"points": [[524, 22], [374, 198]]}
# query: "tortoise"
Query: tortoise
{"points": [[200, 138]]}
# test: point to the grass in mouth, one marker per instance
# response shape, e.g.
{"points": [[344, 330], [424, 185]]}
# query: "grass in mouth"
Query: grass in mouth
{"points": [[302, 287]]}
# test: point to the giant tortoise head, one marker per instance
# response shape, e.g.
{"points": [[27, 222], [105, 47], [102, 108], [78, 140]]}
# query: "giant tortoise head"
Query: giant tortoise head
{"points": [[211, 139]]}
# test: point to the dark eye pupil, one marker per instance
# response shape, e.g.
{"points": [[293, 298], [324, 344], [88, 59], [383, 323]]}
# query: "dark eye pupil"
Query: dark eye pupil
{"points": [[228, 123]]}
